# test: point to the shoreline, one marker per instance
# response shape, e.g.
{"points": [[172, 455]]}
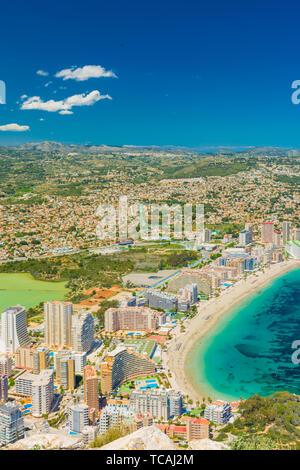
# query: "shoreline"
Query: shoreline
{"points": [[207, 318]]}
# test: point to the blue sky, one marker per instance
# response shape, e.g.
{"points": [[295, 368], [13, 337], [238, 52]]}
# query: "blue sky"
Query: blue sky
{"points": [[189, 73]]}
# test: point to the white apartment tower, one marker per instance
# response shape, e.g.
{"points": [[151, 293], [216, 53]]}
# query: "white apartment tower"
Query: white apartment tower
{"points": [[58, 324], [13, 329], [79, 417], [38, 386], [82, 332], [11, 423], [42, 393]]}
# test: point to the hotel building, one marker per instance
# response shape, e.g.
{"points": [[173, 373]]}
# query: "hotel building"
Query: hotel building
{"points": [[123, 364], [158, 403], [163, 300], [133, 318]]}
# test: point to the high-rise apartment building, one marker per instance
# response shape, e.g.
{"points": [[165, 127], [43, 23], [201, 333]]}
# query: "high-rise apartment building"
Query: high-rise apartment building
{"points": [[249, 228], [189, 292], [91, 394], [133, 318], [78, 357], [218, 412], [80, 361], [24, 357], [82, 332], [113, 416], [5, 365], [206, 235], [13, 329], [187, 296], [3, 388], [42, 387], [158, 403], [267, 229], [122, 364], [38, 386], [79, 417], [65, 371], [11, 423], [58, 324], [163, 300], [175, 403], [286, 232], [32, 358], [245, 238], [277, 238], [197, 428], [41, 359]]}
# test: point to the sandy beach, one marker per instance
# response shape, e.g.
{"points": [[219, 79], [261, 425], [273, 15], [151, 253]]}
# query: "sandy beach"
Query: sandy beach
{"points": [[208, 315]]}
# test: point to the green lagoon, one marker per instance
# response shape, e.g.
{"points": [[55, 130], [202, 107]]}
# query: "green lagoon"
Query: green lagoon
{"points": [[23, 289]]}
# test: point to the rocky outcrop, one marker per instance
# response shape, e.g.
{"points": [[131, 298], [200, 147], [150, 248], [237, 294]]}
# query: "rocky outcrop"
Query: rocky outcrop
{"points": [[147, 438], [43, 441], [206, 444]]}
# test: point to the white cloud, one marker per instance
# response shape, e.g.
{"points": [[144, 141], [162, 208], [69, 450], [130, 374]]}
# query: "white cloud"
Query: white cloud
{"points": [[23, 97], [84, 73], [66, 111], [67, 104], [14, 128], [42, 73], [48, 83]]}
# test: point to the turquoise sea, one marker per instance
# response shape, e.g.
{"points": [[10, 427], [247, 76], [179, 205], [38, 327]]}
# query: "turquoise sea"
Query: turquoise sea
{"points": [[249, 351]]}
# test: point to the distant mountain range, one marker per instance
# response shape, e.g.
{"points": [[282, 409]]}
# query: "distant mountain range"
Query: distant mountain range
{"points": [[57, 147]]}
